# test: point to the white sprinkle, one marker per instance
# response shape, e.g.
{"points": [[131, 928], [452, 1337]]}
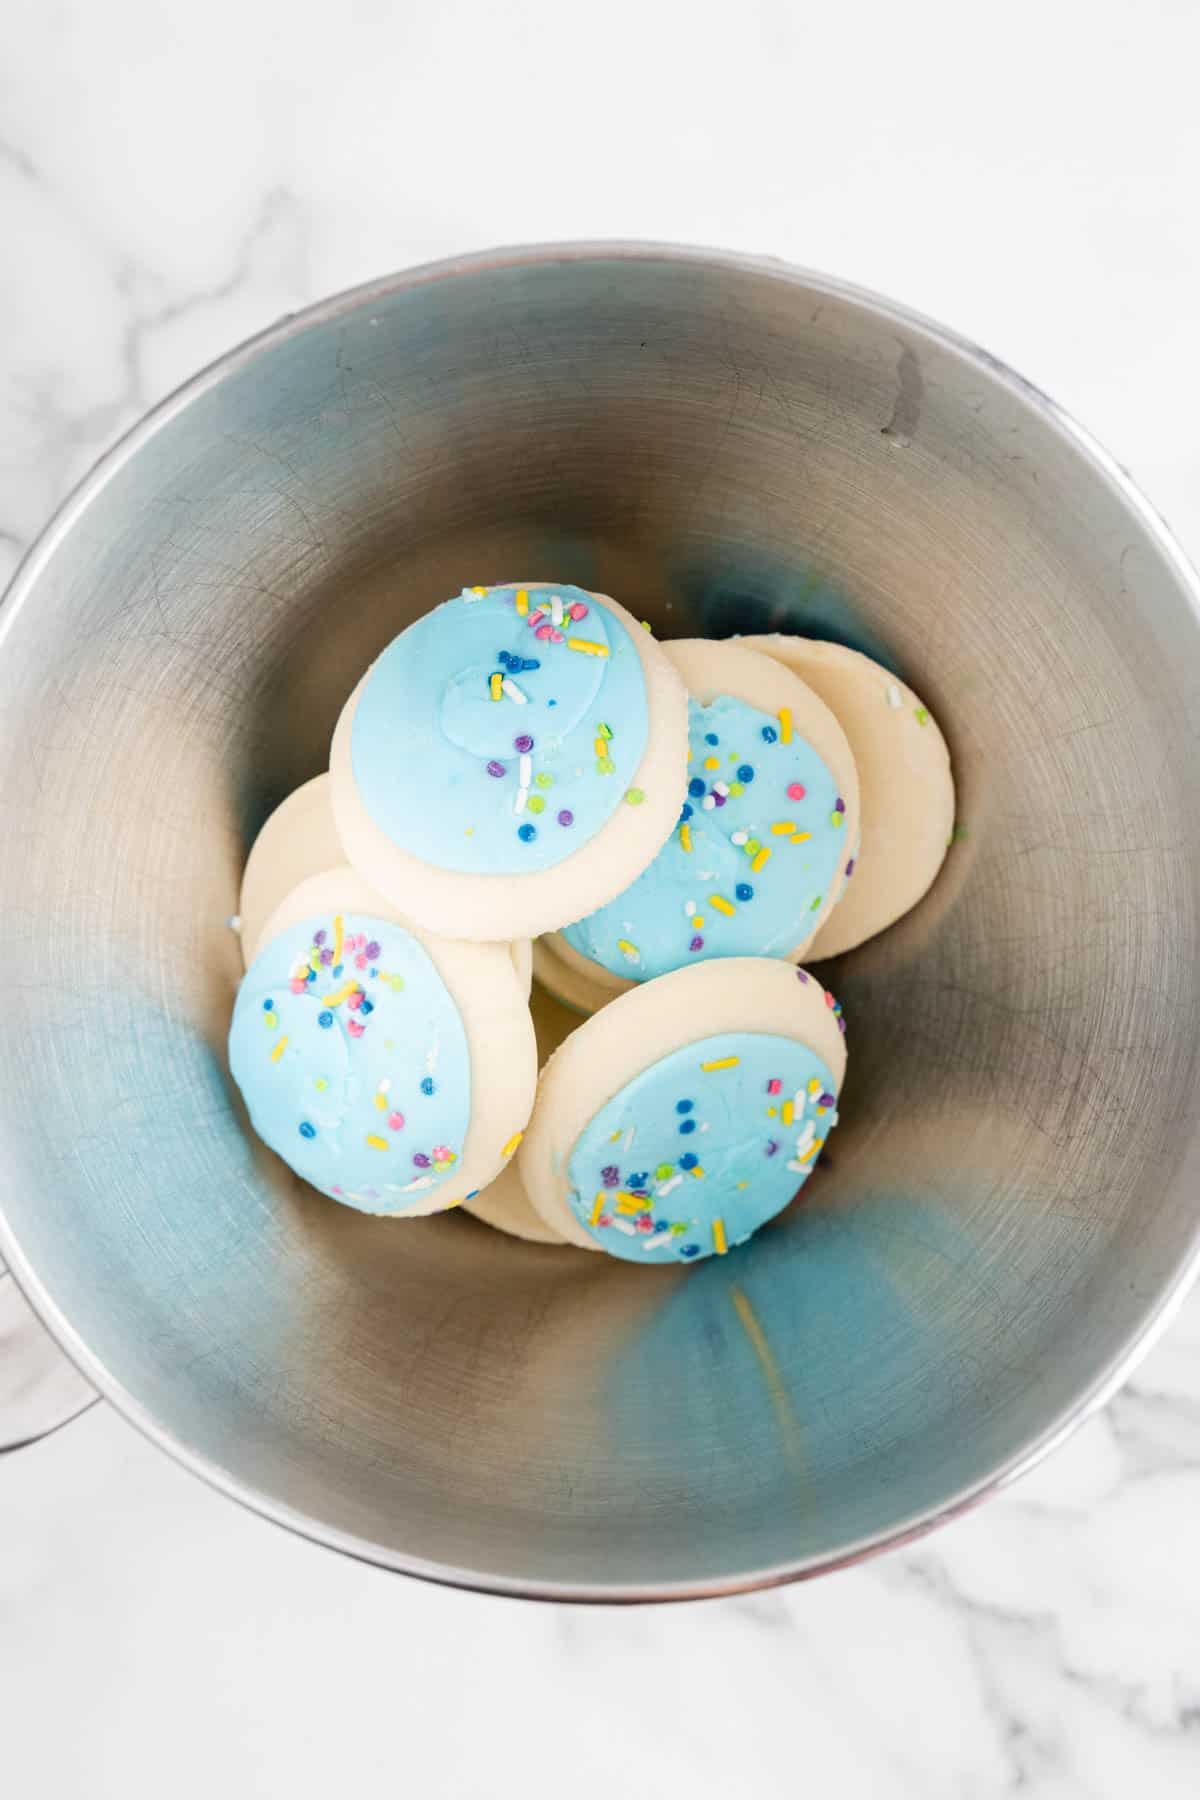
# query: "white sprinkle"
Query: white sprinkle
{"points": [[385, 1086], [805, 1138], [235, 922], [689, 907], [722, 788], [797, 1168], [629, 1137], [422, 1181], [703, 1128], [519, 799], [668, 1187], [739, 838], [508, 686], [470, 599], [556, 609], [624, 1226], [432, 1054], [893, 694], [656, 1240], [525, 770], [708, 803]]}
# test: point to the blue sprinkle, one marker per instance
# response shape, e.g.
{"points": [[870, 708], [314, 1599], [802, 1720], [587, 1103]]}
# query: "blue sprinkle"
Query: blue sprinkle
{"points": [[769, 734], [527, 833], [695, 787], [528, 665], [745, 772], [472, 1193], [710, 737], [427, 1084], [366, 1006], [552, 703], [661, 1225], [307, 1130], [688, 1125], [337, 970], [311, 976], [688, 1160], [374, 974], [639, 1181], [690, 1250], [506, 659], [268, 1006], [744, 891], [684, 1106], [686, 814], [325, 1020]]}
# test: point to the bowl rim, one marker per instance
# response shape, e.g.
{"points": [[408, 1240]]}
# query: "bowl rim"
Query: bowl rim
{"points": [[1158, 1310]]}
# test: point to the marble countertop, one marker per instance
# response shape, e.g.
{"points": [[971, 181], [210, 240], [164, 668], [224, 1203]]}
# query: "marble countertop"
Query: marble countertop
{"points": [[173, 179]]}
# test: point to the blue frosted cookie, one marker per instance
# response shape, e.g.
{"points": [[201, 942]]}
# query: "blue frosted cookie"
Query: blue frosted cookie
{"points": [[511, 760]]}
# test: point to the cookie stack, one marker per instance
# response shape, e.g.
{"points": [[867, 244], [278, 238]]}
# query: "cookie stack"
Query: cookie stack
{"points": [[525, 777]]}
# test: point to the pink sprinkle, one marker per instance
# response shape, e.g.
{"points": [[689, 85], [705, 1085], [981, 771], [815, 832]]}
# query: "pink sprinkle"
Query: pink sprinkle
{"points": [[441, 1153], [355, 1027], [577, 609], [360, 961], [395, 1121], [556, 636], [775, 1086], [645, 1223], [335, 1190], [545, 632], [354, 1000], [829, 1000], [297, 986], [539, 612], [796, 791], [357, 942], [604, 1219]]}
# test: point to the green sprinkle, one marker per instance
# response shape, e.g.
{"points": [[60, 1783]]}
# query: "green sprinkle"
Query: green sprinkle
{"points": [[735, 788], [535, 803], [835, 819], [605, 765], [603, 730], [634, 796], [922, 715], [663, 1171], [646, 625], [678, 1229], [544, 780], [816, 903], [752, 846]]}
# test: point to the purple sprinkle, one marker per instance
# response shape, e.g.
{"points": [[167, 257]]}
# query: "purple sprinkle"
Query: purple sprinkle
{"points": [[827, 1100], [720, 799], [420, 1160], [801, 976], [372, 950], [318, 937], [524, 743], [610, 1175], [772, 1147], [842, 1026], [697, 943], [566, 816], [326, 958], [839, 804], [850, 868], [495, 768]]}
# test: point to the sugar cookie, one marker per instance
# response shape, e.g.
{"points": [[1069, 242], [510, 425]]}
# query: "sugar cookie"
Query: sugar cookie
{"points": [[391, 1069], [761, 845], [511, 760], [675, 1122], [906, 779], [300, 840]]}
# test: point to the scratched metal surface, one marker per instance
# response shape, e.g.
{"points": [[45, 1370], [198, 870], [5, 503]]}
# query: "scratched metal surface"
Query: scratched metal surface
{"points": [[1011, 1200]]}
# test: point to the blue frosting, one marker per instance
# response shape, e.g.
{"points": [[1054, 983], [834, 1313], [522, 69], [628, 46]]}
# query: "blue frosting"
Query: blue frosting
{"points": [[353, 1061], [685, 1160], [741, 888], [505, 785]]}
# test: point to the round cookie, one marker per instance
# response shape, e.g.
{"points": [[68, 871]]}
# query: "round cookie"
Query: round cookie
{"points": [[392, 1070], [676, 1121], [758, 856], [504, 1204], [571, 978], [907, 786], [300, 840], [512, 759]]}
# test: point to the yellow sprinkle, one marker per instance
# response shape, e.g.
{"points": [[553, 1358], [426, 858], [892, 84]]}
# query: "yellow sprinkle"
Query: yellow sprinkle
{"points": [[279, 1049], [320, 1083], [381, 1102], [722, 905], [685, 837], [496, 684], [814, 1086], [271, 1021], [812, 1149], [615, 1136], [377, 1143], [760, 861], [338, 931], [587, 646], [723, 1062], [599, 1206], [788, 1112], [698, 922], [712, 762], [342, 993], [785, 725], [632, 1203], [772, 1112], [719, 1244], [522, 601], [784, 828], [478, 590], [802, 837], [511, 1145], [600, 747], [741, 1185], [698, 1172], [626, 948]]}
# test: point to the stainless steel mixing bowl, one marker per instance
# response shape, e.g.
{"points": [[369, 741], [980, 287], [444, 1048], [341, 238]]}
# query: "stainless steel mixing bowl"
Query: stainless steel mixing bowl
{"points": [[1011, 1203]]}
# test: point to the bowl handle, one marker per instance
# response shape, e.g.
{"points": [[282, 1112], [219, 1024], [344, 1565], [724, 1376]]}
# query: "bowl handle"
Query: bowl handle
{"points": [[40, 1389]]}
